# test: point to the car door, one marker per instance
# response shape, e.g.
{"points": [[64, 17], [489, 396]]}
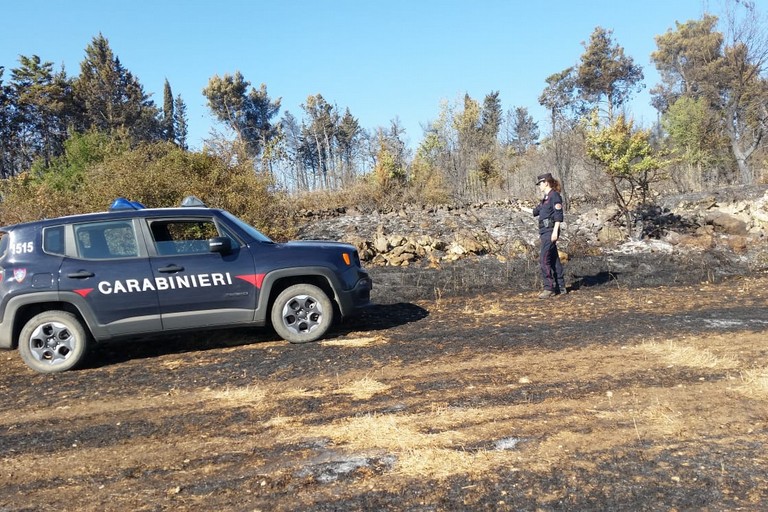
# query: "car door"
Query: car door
{"points": [[199, 287], [110, 270]]}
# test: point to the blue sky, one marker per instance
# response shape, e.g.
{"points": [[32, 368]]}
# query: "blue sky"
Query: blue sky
{"points": [[381, 59]]}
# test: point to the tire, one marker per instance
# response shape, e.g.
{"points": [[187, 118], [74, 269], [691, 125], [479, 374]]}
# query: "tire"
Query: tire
{"points": [[53, 341], [302, 313]]}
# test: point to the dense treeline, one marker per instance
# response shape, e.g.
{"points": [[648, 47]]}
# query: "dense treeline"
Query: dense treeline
{"points": [[40, 108], [712, 104]]}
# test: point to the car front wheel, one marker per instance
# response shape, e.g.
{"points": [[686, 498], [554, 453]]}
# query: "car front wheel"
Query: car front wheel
{"points": [[53, 341], [302, 313]]}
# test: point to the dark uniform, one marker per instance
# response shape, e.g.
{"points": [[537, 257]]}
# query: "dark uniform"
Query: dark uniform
{"points": [[550, 211]]}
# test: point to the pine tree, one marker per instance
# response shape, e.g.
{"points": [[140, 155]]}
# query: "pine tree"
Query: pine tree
{"points": [[168, 113], [247, 112], [7, 167], [110, 98], [34, 111], [180, 128], [320, 133], [347, 136], [490, 118], [524, 130], [606, 73]]}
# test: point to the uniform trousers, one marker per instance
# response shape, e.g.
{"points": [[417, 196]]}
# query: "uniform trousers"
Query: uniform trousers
{"points": [[551, 267]]}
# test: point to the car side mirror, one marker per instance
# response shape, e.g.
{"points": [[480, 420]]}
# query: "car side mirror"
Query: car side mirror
{"points": [[220, 244]]}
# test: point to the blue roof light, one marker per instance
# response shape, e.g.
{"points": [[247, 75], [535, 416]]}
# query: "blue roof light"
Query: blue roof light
{"points": [[122, 203], [193, 201]]}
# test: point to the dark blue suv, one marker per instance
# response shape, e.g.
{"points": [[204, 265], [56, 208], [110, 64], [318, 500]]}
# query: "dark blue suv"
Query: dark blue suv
{"points": [[134, 271]]}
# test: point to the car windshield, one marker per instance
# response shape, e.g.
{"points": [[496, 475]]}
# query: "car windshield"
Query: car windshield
{"points": [[252, 231]]}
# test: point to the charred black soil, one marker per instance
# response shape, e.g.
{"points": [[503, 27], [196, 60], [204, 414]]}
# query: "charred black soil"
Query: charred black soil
{"points": [[645, 388]]}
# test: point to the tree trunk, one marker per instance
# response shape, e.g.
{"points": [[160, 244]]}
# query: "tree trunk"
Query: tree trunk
{"points": [[740, 153]]}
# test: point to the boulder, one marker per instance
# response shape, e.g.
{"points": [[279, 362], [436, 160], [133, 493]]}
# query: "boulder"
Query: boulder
{"points": [[609, 234], [737, 243], [726, 223], [381, 243], [701, 242], [466, 241]]}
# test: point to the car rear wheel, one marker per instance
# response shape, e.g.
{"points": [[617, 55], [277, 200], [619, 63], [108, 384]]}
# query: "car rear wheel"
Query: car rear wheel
{"points": [[53, 341], [302, 313]]}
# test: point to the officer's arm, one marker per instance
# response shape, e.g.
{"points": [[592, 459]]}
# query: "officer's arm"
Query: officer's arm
{"points": [[557, 217], [557, 214]]}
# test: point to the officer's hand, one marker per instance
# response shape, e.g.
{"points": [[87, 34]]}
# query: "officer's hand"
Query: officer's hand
{"points": [[554, 236]]}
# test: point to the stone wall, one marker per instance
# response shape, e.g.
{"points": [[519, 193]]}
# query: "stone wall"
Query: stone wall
{"points": [[733, 220]]}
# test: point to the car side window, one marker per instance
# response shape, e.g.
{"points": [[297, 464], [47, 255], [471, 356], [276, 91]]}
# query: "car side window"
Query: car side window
{"points": [[184, 236], [53, 240], [106, 240]]}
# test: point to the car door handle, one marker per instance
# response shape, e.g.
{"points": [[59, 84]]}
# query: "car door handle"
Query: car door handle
{"points": [[81, 274], [170, 269]]}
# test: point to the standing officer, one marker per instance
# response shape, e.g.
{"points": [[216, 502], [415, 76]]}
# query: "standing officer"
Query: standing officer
{"points": [[550, 214]]}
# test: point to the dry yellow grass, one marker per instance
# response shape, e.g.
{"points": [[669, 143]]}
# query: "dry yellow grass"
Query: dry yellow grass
{"points": [[436, 455], [362, 389], [354, 342], [681, 355], [248, 395], [755, 381]]}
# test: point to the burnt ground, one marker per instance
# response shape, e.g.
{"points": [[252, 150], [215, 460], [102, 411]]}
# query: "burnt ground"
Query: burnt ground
{"points": [[644, 389]]}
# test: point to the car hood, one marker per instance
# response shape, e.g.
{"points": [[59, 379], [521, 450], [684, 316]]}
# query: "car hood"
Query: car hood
{"points": [[318, 244]]}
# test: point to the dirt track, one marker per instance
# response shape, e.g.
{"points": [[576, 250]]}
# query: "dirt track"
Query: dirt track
{"points": [[613, 398]]}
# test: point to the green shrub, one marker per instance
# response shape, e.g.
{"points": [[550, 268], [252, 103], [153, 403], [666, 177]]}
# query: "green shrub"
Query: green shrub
{"points": [[156, 175]]}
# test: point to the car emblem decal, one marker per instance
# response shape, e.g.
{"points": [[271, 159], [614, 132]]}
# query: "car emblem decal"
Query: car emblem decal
{"points": [[19, 274], [83, 291], [255, 279]]}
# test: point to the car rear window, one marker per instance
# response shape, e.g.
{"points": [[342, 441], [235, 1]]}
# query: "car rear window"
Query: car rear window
{"points": [[53, 240], [106, 240], [3, 243]]}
